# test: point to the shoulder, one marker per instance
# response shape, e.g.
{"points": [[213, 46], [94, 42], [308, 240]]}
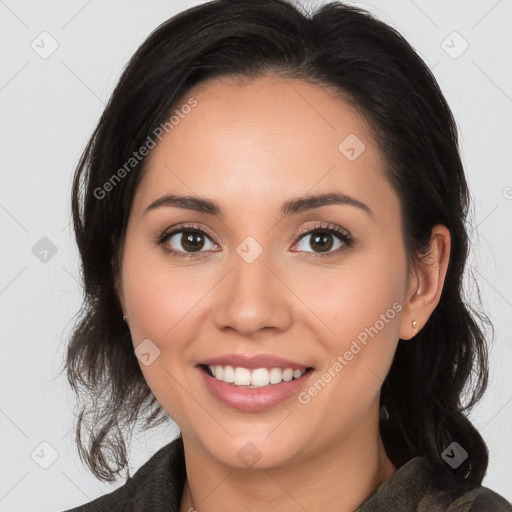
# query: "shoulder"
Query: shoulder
{"points": [[452, 495], [422, 486], [480, 499], [159, 481]]}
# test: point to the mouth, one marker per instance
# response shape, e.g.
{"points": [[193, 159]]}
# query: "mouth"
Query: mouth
{"points": [[253, 389], [255, 378]]}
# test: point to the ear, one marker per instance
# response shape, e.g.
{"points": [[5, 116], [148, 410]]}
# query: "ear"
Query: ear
{"points": [[426, 283], [119, 292], [118, 285]]}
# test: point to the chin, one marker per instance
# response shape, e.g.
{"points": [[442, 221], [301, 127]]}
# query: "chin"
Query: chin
{"points": [[254, 448]]}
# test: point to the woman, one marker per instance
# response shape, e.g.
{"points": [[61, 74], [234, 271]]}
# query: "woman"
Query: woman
{"points": [[270, 216]]}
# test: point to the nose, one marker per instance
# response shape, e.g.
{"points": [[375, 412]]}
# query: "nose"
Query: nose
{"points": [[253, 299]]}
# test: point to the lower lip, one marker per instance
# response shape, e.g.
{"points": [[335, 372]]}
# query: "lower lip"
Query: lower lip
{"points": [[255, 399]]}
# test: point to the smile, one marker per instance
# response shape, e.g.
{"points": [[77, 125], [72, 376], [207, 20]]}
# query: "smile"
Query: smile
{"points": [[253, 390], [255, 378]]}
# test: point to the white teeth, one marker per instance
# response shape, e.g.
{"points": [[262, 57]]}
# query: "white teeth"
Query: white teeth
{"points": [[242, 377], [256, 378], [260, 377], [229, 374], [288, 375], [275, 375]]}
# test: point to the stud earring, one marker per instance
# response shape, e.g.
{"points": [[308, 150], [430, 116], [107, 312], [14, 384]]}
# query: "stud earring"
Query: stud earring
{"points": [[414, 324], [125, 319]]}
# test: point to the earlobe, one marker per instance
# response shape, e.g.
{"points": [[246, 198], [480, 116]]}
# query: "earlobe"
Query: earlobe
{"points": [[427, 283]]}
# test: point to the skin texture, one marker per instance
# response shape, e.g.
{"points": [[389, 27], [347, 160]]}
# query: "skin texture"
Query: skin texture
{"points": [[251, 146]]}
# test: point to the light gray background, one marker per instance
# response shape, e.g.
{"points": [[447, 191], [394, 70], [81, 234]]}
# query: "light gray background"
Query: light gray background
{"points": [[49, 108]]}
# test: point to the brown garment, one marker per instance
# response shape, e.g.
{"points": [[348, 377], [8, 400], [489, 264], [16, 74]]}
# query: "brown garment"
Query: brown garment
{"points": [[158, 484]]}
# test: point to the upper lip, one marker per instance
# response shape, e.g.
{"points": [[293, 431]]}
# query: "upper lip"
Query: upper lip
{"points": [[254, 361]]}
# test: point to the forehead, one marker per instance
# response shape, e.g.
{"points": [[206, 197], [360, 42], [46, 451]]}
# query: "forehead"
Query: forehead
{"points": [[253, 143]]}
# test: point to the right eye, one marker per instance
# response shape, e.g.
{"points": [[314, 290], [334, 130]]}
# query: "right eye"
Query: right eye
{"points": [[185, 241]]}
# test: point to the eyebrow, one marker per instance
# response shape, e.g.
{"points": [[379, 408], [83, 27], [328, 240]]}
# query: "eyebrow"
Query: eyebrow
{"points": [[290, 207]]}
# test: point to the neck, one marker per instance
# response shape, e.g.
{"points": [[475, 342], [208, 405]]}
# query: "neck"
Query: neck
{"points": [[342, 476]]}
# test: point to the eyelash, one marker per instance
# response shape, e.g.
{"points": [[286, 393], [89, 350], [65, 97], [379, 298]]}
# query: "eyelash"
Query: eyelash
{"points": [[342, 234]]}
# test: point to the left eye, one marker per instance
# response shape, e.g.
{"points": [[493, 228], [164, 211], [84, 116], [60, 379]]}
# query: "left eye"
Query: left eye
{"points": [[323, 240]]}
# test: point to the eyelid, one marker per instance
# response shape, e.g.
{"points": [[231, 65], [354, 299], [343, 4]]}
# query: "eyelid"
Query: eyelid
{"points": [[327, 226], [172, 230]]}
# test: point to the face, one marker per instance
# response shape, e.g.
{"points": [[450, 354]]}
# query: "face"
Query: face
{"points": [[315, 288]]}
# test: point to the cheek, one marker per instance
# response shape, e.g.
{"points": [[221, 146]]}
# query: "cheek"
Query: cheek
{"points": [[160, 295], [357, 297], [162, 300], [362, 307], [361, 304]]}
